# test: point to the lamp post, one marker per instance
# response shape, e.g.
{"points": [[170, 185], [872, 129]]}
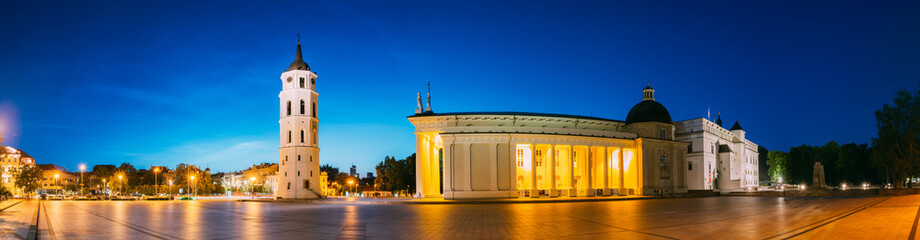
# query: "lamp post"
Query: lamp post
{"points": [[351, 182], [120, 183], [192, 178], [252, 185], [105, 186], [56, 176], [82, 169], [156, 172]]}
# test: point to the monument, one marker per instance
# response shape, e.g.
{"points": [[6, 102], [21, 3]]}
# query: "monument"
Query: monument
{"points": [[818, 178]]}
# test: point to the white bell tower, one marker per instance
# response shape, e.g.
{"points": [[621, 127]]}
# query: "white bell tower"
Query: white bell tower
{"points": [[298, 168]]}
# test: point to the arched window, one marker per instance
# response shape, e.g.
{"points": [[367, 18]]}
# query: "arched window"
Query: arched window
{"points": [[302, 106], [301, 136], [289, 136], [314, 133], [298, 159], [301, 82], [289, 108], [314, 109]]}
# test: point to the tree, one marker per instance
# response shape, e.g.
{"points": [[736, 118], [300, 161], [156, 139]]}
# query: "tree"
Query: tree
{"points": [[396, 175], [776, 161], [331, 172], [896, 150], [28, 179]]}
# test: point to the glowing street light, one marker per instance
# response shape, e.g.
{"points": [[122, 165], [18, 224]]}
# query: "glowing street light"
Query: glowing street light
{"points": [[170, 188], [82, 169], [192, 179], [156, 172], [56, 176], [120, 182], [252, 186]]}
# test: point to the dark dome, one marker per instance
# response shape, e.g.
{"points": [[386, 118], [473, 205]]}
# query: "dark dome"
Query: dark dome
{"points": [[298, 63], [648, 111]]}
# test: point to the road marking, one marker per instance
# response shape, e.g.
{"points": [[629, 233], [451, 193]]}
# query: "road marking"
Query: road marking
{"points": [[913, 230]]}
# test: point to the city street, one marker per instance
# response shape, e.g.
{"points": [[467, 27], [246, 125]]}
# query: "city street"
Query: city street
{"points": [[695, 218]]}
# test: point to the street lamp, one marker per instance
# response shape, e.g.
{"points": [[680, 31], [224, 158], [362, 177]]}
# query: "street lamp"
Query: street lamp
{"points": [[82, 169], [252, 185], [56, 176], [192, 179], [120, 182], [156, 171], [170, 188], [105, 186], [352, 182]]}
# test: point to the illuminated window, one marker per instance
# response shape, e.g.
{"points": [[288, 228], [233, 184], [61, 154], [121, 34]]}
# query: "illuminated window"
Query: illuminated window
{"points": [[520, 157], [302, 80], [289, 108], [539, 158], [303, 106]]}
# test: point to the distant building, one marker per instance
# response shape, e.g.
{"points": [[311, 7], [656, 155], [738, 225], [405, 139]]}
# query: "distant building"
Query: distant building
{"points": [[11, 161], [718, 158], [354, 171], [370, 175], [55, 178]]}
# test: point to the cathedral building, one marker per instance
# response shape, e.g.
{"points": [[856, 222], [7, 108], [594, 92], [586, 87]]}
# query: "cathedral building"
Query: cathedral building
{"points": [[468, 155], [298, 168]]}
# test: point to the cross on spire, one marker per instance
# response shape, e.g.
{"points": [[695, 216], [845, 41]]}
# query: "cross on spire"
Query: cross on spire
{"points": [[298, 37]]}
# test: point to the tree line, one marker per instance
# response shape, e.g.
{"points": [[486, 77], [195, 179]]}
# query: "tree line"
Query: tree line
{"points": [[893, 156]]}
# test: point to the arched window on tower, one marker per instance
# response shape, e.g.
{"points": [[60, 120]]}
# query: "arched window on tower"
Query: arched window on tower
{"points": [[301, 136], [289, 108], [314, 133], [289, 136], [314, 110], [302, 82], [303, 105]]}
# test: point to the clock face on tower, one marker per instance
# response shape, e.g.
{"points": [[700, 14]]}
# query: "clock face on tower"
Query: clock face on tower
{"points": [[290, 79]]}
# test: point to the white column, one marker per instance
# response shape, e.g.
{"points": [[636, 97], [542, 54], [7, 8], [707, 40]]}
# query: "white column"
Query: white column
{"points": [[573, 190], [589, 165], [533, 170], [552, 170], [606, 169], [621, 185], [493, 166], [420, 162]]}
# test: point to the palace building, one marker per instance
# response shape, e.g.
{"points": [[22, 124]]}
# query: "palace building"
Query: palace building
{"points": [[468, 155], [298, 168]]}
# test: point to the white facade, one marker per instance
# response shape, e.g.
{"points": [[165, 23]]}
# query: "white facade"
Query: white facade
{"points": [[718, 158], [298, 170]]}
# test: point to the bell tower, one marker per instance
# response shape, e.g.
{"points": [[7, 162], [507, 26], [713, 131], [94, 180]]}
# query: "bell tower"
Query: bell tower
{"points": [[298, 168]]}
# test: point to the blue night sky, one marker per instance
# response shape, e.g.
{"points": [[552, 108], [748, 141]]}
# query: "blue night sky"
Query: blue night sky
{"points": [[154, 83]]}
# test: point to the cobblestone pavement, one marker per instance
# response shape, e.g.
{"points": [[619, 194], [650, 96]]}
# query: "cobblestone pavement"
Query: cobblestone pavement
{"points": [[696, 218]]}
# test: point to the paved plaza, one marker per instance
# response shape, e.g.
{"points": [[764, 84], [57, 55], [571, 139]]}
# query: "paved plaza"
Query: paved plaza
{"points": [[694, 218]]}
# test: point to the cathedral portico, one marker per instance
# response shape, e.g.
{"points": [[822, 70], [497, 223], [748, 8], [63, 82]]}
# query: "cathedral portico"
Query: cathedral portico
{"points": [[467, 155]]}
